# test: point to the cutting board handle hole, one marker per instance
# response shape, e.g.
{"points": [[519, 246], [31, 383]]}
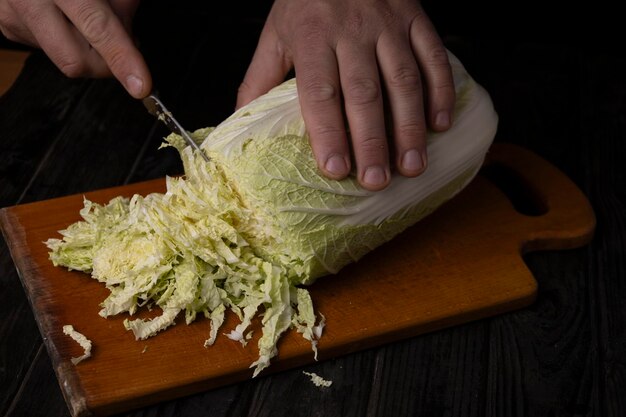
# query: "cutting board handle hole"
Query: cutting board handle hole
{"points": [[525, 198]]}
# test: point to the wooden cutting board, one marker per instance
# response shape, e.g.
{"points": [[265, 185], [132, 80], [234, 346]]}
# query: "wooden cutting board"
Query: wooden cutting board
{"points": [[461, 263]]}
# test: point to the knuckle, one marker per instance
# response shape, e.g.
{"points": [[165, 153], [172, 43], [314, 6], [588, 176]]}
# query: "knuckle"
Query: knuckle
{"points": [[316, 21], [411, 132], [314, 29], [355, 24], [322, 131], [438, 56], [9, 34], [321, 92], [96, 24], [372, 146], [10, 25], [115, 59], [367, 20], [419, 15], [444, 89], [72, 67], [362, 91], [405, 79]]}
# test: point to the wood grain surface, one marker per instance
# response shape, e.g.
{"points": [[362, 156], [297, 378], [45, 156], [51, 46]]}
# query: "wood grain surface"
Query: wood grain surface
{"points": [[460, 264], [560, 94]]}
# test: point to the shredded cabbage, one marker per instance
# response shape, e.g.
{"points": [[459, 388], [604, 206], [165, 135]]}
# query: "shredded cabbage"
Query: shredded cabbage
{"points": [[318, 380], [245, 230], [82, 340]]}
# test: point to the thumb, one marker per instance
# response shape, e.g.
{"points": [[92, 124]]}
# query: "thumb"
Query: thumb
{"points": [[268, 68]]}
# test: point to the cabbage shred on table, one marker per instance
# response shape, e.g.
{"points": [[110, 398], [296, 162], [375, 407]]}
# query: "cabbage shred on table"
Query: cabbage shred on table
{"points": [[246, 230]]}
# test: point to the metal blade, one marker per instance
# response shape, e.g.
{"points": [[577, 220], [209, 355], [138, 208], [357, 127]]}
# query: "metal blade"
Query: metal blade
{"points": [[156, 108]]}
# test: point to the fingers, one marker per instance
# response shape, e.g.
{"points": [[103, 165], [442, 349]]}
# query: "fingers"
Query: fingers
{"points": [[403, 84], [377, 74], [419, 93], [319, 91], [61, 41], [104, 31], [432, 58], [83, 38], [418, 80], [358, 71]]}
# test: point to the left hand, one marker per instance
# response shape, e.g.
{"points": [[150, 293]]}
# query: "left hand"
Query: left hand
{"points": [[362, 57]]}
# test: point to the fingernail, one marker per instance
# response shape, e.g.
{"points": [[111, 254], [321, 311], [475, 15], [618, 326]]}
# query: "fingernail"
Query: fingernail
{"points": [[412, 160], [375, 175], [442, 120], [134, 85], [336, 165]]}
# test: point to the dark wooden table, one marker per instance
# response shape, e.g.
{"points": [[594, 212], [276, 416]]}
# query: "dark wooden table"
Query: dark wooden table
{"points": [[565, 355]]}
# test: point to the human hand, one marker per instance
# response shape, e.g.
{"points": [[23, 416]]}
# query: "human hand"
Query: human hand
{"points": [[83, 38], [366, 57]]}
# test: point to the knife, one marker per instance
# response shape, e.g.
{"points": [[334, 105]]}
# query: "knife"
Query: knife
{"points": [[156, 108]]}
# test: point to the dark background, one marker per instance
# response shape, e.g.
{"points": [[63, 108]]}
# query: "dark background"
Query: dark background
{"points": [[557, 83]]}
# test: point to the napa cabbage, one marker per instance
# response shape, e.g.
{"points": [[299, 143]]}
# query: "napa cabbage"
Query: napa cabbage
{"points": [[248, 230]]}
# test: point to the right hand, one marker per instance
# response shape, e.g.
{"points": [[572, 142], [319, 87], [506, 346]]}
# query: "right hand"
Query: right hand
{"points": [[88, 38]]}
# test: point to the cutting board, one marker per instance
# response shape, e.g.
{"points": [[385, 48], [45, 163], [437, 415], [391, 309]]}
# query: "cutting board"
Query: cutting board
{"points": [[462, 263]]}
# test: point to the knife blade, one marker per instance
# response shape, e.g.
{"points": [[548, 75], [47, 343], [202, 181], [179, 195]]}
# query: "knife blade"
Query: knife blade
{"points": [[156, 107]]}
